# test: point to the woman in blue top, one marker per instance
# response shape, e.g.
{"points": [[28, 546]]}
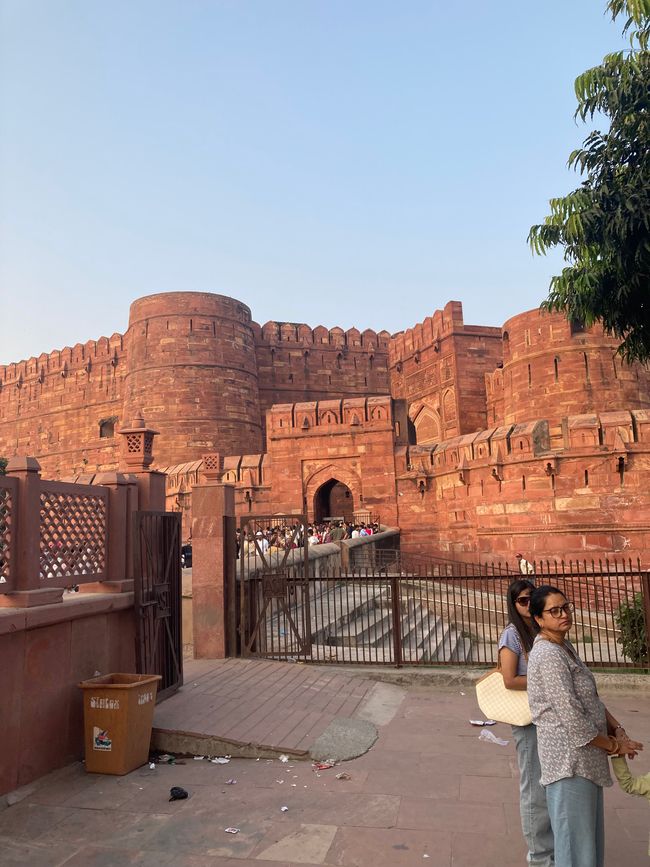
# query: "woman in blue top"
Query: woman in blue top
{"points": [[514, 645]]}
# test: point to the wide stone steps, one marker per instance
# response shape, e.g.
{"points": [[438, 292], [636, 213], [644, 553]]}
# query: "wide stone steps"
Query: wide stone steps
{"points": [[354, 622]]}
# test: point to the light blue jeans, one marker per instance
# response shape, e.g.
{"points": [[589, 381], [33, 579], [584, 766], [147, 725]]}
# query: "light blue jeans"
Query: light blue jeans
{"points": [[535, 820], [576, 809]]}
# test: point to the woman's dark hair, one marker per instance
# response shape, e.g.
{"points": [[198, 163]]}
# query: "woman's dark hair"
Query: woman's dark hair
{"points": [[539, 597], [527, 631]]}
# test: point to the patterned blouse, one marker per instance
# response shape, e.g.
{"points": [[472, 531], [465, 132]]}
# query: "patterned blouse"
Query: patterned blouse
{"points": [[568, 713]]}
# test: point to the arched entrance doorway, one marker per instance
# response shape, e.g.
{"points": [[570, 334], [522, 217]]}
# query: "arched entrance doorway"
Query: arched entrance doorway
{"points": [[333, 500]]}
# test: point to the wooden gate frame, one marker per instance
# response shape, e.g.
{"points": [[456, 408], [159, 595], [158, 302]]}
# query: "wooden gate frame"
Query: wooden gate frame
{"points": [[158, 602], [276, 583]]}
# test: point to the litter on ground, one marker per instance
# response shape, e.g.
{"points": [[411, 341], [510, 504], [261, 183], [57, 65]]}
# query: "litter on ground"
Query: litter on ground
{"points": [[177, 794], [492, 738]]}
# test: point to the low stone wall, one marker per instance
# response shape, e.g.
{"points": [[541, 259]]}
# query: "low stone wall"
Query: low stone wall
{"points": [[45, 652], [360, 553]]}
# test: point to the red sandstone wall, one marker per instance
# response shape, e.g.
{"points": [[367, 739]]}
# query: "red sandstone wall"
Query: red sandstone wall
{"points": [[51, 406], [352, 441], [491, 494], [297, 363], [201, 371], [551, 370], [41, 712], [192, 372], [439, 367]]}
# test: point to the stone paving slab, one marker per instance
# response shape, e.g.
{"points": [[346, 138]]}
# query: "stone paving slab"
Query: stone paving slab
{"points": [[254, 707], [428, 787]]}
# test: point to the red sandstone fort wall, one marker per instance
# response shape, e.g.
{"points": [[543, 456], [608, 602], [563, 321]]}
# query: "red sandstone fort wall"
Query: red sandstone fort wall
{"points": [[311, 444], [192, 372], [552, 369], [297, 363], [52, 406], [503, 490], [439, 367], [198, 368]]}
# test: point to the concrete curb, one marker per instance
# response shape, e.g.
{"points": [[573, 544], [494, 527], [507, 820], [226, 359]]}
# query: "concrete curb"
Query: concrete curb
{"points": [[448, 677]]}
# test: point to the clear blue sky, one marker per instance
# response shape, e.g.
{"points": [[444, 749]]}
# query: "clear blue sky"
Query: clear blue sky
{"points": [[337, 162]]}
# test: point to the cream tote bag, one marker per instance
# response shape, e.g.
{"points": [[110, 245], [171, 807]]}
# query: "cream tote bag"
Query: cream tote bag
{"points": [[502, 704]]}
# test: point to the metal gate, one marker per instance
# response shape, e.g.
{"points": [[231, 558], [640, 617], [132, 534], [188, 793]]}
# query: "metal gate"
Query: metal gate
{"points": [[157, 586], [274, 612]]}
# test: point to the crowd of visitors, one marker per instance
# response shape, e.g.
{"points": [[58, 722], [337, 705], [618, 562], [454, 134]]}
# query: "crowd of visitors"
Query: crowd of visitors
{"points": [[287, 536], [563, 753]]}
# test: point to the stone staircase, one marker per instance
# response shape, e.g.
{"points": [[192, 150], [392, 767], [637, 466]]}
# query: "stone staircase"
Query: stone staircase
{"points": [[353, 622]]}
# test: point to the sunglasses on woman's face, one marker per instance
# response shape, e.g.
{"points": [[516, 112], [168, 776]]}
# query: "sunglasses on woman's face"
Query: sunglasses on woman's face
{"points": [[523, 600]]}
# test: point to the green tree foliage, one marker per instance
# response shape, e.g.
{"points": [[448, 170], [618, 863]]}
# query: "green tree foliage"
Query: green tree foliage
{"points": [[631, 622], [3, 466], [604, 225]]}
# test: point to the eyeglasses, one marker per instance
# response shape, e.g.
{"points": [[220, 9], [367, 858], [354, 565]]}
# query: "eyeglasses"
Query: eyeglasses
{"points": [[558, 610], [523, 600]]}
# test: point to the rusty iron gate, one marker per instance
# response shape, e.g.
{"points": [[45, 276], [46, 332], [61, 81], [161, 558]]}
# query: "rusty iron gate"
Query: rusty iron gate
{"points": [[157, 586], [273, 572]]}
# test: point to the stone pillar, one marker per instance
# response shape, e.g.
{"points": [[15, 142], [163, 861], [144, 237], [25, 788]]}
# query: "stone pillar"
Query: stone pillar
{"points": [[213, 569], [28, 588], [137, 457], [118, 571]]}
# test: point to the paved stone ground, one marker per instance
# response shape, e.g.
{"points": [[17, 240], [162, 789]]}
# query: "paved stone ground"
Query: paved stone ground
{"points": [[428, 787], [272, 706]]}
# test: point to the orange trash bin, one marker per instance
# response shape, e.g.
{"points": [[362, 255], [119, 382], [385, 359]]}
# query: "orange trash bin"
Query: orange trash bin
{"points": [[118, 717]]}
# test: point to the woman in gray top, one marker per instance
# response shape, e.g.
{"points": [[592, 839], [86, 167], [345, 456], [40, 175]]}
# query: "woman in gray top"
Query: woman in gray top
{"points": [[515, 643], [575, 734]]}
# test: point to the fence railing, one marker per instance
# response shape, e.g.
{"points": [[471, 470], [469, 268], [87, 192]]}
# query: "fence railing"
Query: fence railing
{"points": [[8, 514], [381, 617], [56, 534], [73, 533]]}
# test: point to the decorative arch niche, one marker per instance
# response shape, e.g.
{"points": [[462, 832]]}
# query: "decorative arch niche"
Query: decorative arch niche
{"points": [[427, 426]]}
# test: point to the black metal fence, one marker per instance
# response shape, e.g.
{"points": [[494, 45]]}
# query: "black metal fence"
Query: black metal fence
{"points": [[445, 613]]}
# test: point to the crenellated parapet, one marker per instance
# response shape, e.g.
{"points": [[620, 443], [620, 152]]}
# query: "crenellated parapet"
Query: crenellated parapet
{"points": [[90, 360], [554, 368], [296, 362], [329, 417], [275, 333], [620, 433], [439, 367]]}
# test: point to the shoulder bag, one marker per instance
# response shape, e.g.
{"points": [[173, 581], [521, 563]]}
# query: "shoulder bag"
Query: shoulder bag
{"points": [[502, 704]]}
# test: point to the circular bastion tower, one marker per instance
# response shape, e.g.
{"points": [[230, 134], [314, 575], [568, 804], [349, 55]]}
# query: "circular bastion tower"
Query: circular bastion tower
{"points": [[554, 368], [192, 370]]}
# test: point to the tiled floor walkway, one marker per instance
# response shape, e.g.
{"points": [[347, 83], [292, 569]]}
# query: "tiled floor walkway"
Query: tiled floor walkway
{"points": [[281, 705], [429, 792]]}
